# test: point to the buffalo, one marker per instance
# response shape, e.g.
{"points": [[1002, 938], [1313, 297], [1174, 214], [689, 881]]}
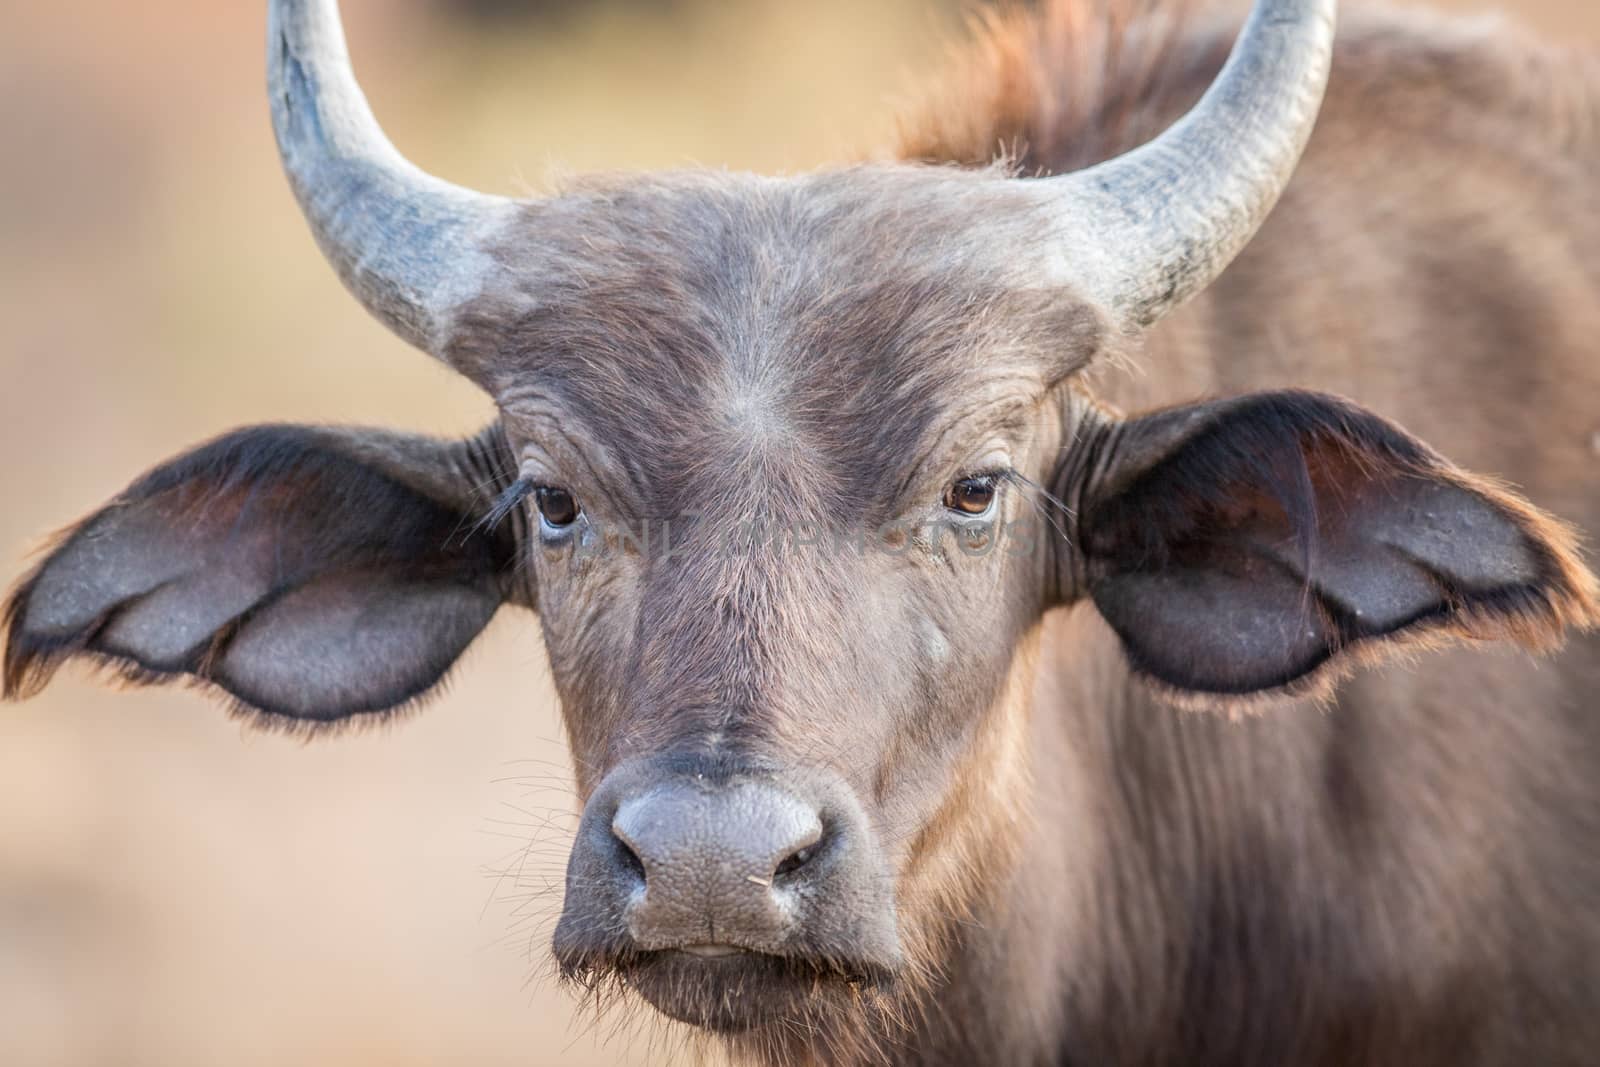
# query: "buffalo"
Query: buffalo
{"points": [[972, 578]]}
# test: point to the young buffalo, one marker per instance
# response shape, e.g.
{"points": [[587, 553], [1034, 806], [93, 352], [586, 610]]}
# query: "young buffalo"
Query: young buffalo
{"points": [[869, 578]]}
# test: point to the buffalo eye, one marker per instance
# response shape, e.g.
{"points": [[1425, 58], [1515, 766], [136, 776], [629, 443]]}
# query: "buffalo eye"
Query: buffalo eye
{"points": [[557, 508], [971, 496]]}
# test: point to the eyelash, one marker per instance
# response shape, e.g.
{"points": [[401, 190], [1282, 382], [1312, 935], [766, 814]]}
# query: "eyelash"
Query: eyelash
{"points": [[510, 498], [997, 475]]}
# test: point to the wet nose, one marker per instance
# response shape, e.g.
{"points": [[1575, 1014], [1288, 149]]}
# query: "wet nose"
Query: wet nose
{"points": [[716, 865]]}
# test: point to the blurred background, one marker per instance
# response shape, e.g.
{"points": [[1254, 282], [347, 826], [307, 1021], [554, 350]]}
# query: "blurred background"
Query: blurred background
{"points": [[175, 889]]}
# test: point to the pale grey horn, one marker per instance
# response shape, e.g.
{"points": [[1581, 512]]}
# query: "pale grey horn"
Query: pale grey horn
{"points": [[408, 245], [1141, 233]]}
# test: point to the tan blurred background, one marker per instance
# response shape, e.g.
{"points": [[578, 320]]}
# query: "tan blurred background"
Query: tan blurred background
{"points": [[176, 890]]}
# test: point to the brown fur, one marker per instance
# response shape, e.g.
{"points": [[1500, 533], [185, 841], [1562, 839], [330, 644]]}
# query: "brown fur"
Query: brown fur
{"points": [[1382, 930]]}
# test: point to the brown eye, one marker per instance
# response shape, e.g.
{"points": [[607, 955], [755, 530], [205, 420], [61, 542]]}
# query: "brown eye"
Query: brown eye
{"points": [[556, 506], [970, 496]]}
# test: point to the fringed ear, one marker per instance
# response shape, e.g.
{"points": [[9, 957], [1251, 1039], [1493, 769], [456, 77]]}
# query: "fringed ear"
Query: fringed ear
{"points": [[1263, 544], [311, 574]]}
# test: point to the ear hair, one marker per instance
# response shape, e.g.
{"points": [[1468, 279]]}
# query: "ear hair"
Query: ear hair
{"points": [[31, 663], [312, 577], [1229, 509]]}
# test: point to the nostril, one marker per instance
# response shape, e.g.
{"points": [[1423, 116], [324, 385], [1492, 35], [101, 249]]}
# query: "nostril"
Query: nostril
{"points": [[794, 861], [816, 842], [631, 863]]}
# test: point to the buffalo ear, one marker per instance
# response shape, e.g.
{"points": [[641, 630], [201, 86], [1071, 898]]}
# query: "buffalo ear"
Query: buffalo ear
{"points": [[311, 574], [1264, 543]]}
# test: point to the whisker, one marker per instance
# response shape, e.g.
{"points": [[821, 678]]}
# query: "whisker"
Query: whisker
{"points": [[1033, 490]]}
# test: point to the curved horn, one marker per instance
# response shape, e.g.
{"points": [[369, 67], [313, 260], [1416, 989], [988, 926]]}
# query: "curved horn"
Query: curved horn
{"points": [[1151, 228], [407, 244]]}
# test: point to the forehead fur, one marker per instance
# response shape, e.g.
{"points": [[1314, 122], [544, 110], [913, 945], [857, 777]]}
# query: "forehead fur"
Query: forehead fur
{"points": [[834, 321]]}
